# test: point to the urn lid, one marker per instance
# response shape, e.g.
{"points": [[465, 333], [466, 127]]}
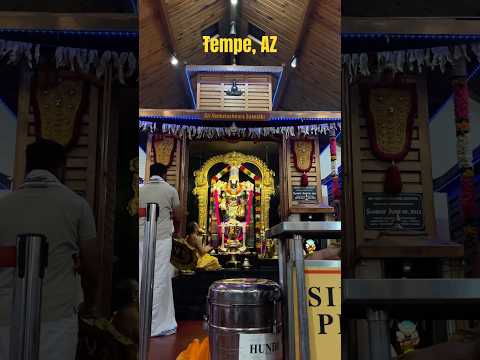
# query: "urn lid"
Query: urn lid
{"points": [[244, 291]]}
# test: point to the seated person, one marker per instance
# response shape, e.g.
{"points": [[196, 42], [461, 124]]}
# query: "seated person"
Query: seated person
{"points": [[193, 238]]}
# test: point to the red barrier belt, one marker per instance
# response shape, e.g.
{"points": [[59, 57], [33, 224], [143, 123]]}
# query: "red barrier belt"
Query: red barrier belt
{"points": [[8, 256], [142, 212]]}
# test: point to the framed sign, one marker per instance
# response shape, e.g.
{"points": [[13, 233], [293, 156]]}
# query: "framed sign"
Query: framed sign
{"points": [[402, 212], [304, 193]]}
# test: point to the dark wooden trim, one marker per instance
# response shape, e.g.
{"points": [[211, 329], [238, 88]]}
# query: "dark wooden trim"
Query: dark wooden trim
{"points": [[69, 21], [413, 251], [410, 25], [307, 14], [172, 113], [348, 198], [165, 26]]}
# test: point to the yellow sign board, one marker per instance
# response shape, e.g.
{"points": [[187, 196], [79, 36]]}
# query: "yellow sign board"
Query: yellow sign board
{"points": [[323, 293]]}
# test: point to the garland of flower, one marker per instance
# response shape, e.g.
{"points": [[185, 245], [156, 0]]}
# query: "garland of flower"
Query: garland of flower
{"points": [[464, 156], [403, 61], [209, 133], [217, 215], [257, 180], [333, 164]]}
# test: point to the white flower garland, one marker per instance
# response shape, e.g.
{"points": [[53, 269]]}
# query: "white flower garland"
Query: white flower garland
{"points": [[203, 132], [407, 60], [74, 59]]}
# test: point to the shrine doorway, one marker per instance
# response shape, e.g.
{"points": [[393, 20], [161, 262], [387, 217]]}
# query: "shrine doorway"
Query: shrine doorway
{"points": [[198, 152]]}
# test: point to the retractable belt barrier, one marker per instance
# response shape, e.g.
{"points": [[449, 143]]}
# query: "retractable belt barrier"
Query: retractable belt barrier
{"points": [[29, 258], [146, 284]]}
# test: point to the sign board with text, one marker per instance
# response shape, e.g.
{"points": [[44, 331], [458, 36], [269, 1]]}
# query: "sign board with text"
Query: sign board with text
{"points": [[323, 293], [235, 116], [393, 212], [304, 193]]}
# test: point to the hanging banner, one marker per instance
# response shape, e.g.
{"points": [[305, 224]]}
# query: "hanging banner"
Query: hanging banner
{"points": [[303, 151], [390, 110], [163, 148], [58, 106], [323, 281]]}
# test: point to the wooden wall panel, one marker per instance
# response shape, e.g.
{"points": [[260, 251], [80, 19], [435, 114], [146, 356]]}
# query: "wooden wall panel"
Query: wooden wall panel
{"points": [[173, 172], [81, 159], [257, 92], [368, 174], [314, 179]]}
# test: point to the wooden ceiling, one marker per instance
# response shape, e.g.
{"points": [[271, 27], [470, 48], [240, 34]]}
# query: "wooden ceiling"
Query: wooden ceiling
{"points": [[310, 28]]}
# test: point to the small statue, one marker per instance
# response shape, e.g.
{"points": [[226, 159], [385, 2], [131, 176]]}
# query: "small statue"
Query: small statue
{"points": [[234, 91], [407, 336]]}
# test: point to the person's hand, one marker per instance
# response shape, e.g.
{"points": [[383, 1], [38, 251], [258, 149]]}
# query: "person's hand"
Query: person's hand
{"points": [[88, 311]]}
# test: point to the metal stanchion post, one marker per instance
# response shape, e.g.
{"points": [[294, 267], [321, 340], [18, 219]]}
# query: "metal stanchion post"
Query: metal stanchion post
{"points": [[301, 299], [147, 281], [378, 334], [290, 302], [282, 275], [32, 254]]}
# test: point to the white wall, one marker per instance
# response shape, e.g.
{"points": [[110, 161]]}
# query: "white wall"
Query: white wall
{"points": [[325, 168], [442, 136], [8, 129]]}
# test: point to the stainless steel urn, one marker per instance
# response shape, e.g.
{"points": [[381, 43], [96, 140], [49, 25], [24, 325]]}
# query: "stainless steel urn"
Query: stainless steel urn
{"points": [[245, 320]]}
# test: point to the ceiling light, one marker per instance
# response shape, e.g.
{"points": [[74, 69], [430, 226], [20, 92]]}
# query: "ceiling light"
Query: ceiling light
{"points": [[174, 60], [293, 63], [233, 30], [234, 2]]}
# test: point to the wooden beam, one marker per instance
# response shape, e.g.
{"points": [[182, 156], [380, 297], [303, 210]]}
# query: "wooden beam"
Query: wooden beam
{"points": [[167, 113], [165, 27], [304, 28], [69, 21], [411, 25], [298, 46]]}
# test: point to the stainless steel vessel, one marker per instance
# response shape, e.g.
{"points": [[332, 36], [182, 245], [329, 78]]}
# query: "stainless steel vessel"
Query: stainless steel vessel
{"points": [[245, 319]]}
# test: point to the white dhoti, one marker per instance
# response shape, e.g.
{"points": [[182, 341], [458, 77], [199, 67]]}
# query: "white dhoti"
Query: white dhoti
{"points": [[58, 340], [163, 311]]}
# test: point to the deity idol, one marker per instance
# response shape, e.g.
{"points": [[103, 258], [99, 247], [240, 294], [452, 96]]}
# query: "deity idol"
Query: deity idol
{"points": [[233, 206]]}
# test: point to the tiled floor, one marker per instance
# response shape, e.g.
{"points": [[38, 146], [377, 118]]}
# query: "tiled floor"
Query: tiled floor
{"points": [[168, 347]]}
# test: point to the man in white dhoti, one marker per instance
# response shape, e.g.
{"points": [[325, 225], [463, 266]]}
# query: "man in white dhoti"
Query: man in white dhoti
{"points": [[157, 190], [43, 205]]}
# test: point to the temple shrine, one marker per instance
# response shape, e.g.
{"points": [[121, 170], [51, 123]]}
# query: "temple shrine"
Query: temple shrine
{"points": [[250, 141], [239, 166]]}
